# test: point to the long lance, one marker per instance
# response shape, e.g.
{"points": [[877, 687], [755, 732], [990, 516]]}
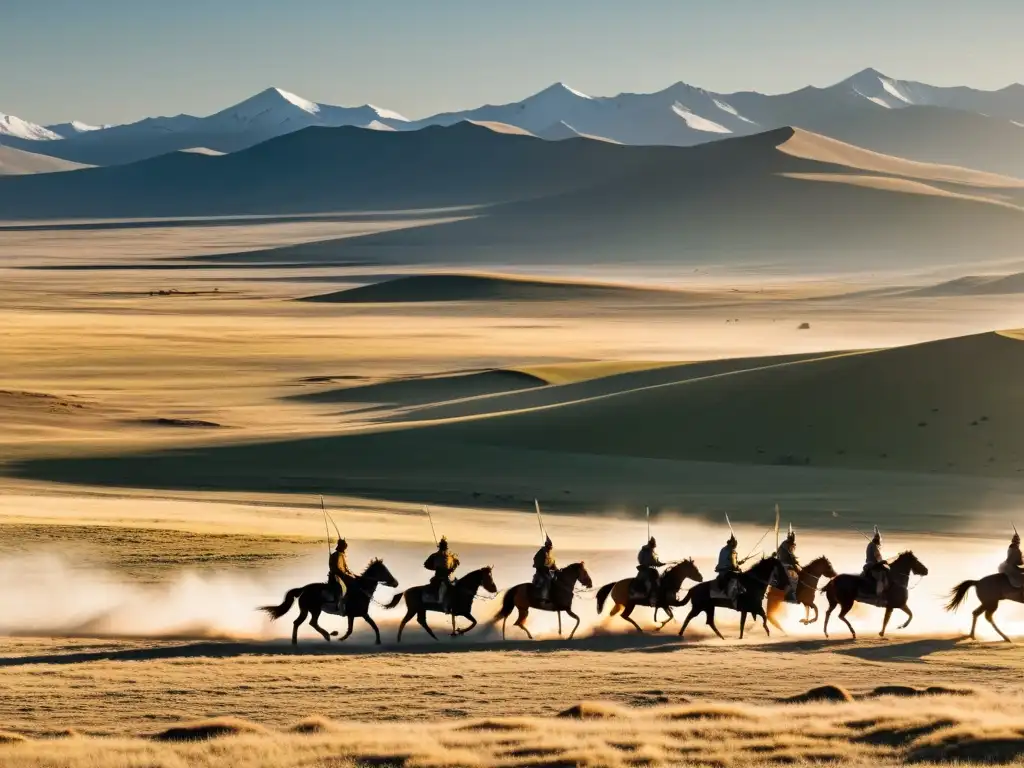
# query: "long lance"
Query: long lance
{"points": [[430, 519], [540, 520], [329, 517], [327, 531], [852, 528], [776, 528], [729, 523], [648, 523]]}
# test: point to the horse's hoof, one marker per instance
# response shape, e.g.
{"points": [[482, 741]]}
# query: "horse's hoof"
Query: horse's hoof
{"points": [[334, 633]]}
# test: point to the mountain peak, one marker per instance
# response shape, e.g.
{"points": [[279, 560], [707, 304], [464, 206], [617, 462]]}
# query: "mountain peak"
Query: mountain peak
{"points": [[561, 89]]}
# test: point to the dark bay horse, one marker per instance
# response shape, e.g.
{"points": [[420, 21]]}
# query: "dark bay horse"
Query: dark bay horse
{"points": [[524, 597], [668, 587], [990, 590], [754, 581], [806, 589], [849, 588], [460, 601], [315, 599]]}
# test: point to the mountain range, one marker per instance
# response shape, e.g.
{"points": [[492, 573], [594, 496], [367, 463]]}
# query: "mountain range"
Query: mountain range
{"points": [[960, 125]]}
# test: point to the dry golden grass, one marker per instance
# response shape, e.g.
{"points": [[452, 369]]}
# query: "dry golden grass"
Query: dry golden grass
{"points": [[969, 730]]}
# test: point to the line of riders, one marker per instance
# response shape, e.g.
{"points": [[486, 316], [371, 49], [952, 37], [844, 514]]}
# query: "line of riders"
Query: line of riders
{"points": [[881, 583]]}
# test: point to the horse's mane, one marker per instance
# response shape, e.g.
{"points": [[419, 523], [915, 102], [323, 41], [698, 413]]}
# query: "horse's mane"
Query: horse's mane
{"points": [[760, 562], [374, 561], [820, 558]]}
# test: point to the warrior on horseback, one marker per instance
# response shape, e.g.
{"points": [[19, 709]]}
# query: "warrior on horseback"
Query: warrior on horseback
{"points": [[648, 578], [876, 569], [787, 556], [728, 569], [1013, 566], [339, 575], [545, 568], [443, 564]]}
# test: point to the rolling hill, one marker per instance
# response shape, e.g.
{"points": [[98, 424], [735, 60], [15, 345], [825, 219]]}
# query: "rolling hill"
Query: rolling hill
{"points": [[17, 162]]}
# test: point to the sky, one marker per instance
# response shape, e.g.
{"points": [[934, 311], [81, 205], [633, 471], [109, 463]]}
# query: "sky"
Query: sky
{"points": [[120, 60]]}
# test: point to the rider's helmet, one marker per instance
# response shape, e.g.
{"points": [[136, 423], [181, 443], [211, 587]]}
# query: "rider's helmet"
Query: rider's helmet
{"points": [[548, 544], [791, 536], [1016, 538], [878, 536], [732, 540], [342, 545], [652, 543], [443, 543]]}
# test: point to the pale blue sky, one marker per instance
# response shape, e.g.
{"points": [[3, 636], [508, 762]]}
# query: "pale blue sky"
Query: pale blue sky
{"points": [[120, 60]]}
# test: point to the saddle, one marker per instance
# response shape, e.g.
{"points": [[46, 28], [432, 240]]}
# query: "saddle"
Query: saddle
{"points": [[432, 596], [639, 594], [867, 592]]}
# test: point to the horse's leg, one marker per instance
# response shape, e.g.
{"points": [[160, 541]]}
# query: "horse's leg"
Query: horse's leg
{"points": [[626, 614], [668, 612], [298, 623], [910, 616], [693, 612], [472, 623], [842, 615], [655, 618], [421, 618], [974, 622], [885, 620], [314, 615], [711, 621], [815, 607], [831, 607], [743, 621], [351, 625], [524, 611], [769, 614], [454, 632], [764, 623], [373, 626], [988, 615], [573, 633], [559, 623], [408, 617]]}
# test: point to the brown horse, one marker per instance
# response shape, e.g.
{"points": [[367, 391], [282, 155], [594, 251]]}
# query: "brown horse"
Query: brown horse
{"points": [[849, 588], [806, 589], [668, 586], [315, 599], [990, 590], [460, 599], [524, 597]]}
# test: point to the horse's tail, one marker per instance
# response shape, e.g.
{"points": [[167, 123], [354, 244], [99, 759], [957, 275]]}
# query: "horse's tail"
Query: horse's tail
{"points": [[828, 584], [689, 595], [508, 603], [958, 593], [395, 600], [277, 611], [602, 595]]}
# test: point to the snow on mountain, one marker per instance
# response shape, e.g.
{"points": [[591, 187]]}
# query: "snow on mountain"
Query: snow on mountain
{"points": [[74, 128], [22, 129], [274, 112]]}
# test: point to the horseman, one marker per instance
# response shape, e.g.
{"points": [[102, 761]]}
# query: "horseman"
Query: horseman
{"points": [[728, 569], [1013, 566], [787, 556], [544, 569], [339, 574], [648, 565], [443, 564], [876, 569]]}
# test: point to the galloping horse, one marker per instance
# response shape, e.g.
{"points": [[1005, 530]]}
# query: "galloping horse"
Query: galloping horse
{"points": [[806, 588], [665, 598], [990, 590], [460, 601], [523, 597], [754, 581], [848, 588], [315, 599]]}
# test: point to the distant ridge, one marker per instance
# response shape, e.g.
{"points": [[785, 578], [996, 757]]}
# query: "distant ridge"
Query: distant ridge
{"points": [[482, 287]]}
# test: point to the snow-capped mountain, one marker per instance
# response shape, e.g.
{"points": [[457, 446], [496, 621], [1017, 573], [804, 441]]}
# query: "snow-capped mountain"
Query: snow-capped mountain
{"points": [[74, 128], [17, 128]]}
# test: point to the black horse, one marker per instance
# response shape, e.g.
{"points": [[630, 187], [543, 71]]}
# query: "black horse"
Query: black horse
{"points": [[849, 588], [460, 599], [754, 582], [315, 599]]}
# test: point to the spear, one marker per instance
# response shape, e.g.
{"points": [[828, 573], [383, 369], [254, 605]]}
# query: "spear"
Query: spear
{"points": [[852, 528], [431, 521], [329, 517], [327, 531], [648, 523], [540, 520]]}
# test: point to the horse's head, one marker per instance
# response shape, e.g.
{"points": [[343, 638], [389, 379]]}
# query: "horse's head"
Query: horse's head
{"points": [[581, 574], [683, 570], [821, 566], [908, 562], [487, 579], [378, 573]]}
